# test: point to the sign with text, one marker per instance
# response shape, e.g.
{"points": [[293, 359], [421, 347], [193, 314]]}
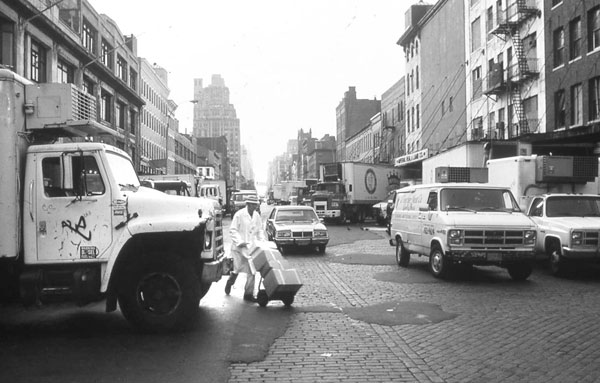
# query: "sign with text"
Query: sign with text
{"points": [[412, 157]]}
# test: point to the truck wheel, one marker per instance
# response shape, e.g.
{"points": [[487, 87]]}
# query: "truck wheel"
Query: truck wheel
{"points": [[204, 287], [520, 271], [321, 249], [438, 263], [161, 295], [402, 255]]}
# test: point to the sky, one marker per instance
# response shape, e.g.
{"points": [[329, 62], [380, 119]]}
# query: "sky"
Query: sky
{"points": [[287, 63]]}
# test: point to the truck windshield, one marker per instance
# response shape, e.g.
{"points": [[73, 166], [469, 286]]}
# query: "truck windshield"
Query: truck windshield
{"points": [[123, 171], [468, 199], [330, 188], [573, 207]]}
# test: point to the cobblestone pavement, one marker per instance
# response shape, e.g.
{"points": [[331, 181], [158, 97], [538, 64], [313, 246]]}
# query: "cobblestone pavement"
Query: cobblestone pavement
{"points": [[496, 330]]}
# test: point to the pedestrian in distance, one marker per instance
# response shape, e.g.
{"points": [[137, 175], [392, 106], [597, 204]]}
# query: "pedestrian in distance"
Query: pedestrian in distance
{"points": [[245, 231]]}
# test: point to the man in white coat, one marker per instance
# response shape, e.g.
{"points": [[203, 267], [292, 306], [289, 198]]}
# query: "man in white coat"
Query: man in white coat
{"points": [[246, 229]]}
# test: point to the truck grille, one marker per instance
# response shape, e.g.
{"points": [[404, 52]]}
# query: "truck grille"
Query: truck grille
{"points": [[494, 237], [590, 238], [302, 234]]}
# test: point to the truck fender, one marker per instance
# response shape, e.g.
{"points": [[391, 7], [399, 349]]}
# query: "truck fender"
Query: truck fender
{"points": [[439, 242], [550, 239]]}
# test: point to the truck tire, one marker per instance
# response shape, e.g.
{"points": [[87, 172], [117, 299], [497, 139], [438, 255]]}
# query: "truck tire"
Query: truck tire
{"points": [[402, 255], [558, 265], [438, 263], [321, 249], [161, 295], [519, 271]]}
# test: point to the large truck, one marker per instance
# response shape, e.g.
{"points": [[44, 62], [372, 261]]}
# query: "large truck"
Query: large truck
{"points": [[560, 195], [78, 225], [178, 184], [348, 190]]}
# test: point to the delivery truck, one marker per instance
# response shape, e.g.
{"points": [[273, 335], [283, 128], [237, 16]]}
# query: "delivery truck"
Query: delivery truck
{"points": [[79, 227], [348, 190]]}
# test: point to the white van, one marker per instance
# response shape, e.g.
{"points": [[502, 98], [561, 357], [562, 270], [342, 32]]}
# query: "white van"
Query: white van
{"points": [[462, 224]]}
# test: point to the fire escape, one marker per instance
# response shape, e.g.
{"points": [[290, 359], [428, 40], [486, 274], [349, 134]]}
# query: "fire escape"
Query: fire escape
{"points": [[510, 81]]}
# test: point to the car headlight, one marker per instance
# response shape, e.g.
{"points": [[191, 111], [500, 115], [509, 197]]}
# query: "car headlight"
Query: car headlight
{"points": [[576, 238], [320, 233], [455, 237], [284, 234], [530, 236]]}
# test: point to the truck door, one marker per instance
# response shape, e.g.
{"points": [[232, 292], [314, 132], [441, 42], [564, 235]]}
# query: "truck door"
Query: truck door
{"points": [[73, 208]]}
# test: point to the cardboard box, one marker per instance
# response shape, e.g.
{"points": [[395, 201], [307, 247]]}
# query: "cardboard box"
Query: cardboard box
{"points": [[279, 282], [264, 259]]}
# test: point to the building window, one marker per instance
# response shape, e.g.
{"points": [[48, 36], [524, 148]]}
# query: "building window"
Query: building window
{"points": [[576, 105], [489, 22], [595, 98], [575, 39], [6, 43], [559, 46], [88, 37], [121, 115], [443, 108], [594, 29], [37, 68], [66, 73], [105, 106], [132, 79], [107, 54], [477, 83], [88, 86], [417, 77], [417, 116], [121, 68], [475, 34], [556, 2], [560, 109]]}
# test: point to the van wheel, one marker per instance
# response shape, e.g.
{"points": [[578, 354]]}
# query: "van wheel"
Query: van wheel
{"points": [[438, 263], [519, 271], [402, 255]]}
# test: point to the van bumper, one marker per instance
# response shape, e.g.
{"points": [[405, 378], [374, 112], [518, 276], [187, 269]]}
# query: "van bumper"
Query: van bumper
{"points": [[491, 256]]}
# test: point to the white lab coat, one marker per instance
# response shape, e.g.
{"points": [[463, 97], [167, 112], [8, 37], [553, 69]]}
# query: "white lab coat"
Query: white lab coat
{"points": [[244, 229]]}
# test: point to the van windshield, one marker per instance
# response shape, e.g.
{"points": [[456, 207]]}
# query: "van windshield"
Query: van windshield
{"points": [[467, 199]]}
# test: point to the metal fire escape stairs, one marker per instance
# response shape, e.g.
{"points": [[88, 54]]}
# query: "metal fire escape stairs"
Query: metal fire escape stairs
{"points": [[510, 22]]}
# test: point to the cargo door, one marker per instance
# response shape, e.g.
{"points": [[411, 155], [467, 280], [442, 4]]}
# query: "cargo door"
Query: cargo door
{"points": [[73, 208]]}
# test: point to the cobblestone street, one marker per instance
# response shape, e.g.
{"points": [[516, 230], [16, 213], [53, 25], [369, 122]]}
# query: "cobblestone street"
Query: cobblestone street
{"points": [[359, 318]]}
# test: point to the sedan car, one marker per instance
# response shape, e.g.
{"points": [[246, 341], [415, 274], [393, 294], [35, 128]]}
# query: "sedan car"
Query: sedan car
{"points": [[296, 225]]}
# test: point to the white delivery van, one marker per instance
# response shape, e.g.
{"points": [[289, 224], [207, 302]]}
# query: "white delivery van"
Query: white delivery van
{"points": [[462, 224]]}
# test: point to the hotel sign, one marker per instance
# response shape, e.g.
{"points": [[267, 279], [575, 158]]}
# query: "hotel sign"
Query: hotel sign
{"points": [[412, 157]]}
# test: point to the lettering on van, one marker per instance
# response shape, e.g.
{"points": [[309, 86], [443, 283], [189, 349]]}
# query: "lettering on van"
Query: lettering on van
{"points": [[370, 181], [428, 230], [409, 201]]}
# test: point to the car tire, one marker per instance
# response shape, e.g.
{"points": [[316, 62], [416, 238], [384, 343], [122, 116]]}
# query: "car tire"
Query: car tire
{"points": [[558, 265], [439, 265], [402, 255], [321, 249], [162, 295], [519, 271]]}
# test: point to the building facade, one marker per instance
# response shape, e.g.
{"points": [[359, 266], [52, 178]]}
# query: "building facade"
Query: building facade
{"points": [[352, 115], [572, 71], [393, 133], [364, 145], [69, 42], [215, 116]]}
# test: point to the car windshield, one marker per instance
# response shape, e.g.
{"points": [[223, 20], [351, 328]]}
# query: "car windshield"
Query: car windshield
{"points": [[241, 197], [573, 207], [467, 199], [300, 215]]}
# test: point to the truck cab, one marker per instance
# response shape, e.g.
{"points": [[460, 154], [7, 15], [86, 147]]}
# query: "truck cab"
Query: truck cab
{"points": [[78, 225], [568, 229]]}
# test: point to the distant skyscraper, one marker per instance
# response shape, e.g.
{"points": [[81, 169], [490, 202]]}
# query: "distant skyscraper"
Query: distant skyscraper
{"points": [[214, 116]]}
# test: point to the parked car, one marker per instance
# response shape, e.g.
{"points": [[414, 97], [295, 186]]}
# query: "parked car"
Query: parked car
{"points": [[296, 225], [238, 200], [382, 211]]}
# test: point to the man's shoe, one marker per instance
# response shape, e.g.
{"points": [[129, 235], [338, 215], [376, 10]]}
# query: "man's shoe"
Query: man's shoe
{"points": [[228, 287], [249, 298]]}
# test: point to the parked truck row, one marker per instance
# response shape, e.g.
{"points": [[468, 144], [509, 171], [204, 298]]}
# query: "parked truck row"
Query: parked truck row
{"points": [[523, 209], [80, 227]]}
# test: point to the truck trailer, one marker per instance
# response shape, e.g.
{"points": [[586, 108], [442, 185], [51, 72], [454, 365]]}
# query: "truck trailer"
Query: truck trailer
{"points": [[348, 190], [79, 226]]}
